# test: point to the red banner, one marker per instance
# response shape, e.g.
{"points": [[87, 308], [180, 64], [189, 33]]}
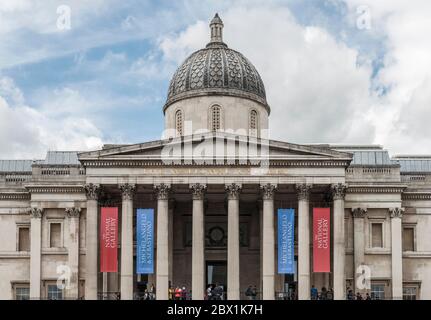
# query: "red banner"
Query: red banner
{"points": [[321, 240], [108, 240]]}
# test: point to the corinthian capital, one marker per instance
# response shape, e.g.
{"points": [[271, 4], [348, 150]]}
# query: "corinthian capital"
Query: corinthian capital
{"points": [[303, 191], [198, 191], [127, 190], [36, 213], [338, 191], [268, 191], [73, 212], [162, 191], [359, 213], [233, 190], [92, 191], [396, 212]]}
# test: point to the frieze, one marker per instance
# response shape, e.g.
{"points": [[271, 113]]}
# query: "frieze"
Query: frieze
{"points": [[416, 196], [56, 189], [205, 163], [375, 189], [15, 196]]}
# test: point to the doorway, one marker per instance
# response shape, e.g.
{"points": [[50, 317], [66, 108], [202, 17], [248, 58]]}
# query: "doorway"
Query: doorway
{"points": [[216, 273]]}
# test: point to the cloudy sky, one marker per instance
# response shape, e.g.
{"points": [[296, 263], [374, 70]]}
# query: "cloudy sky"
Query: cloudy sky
{"points": [[335, 71]]}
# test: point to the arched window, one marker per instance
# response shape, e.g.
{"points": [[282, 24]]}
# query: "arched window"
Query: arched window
{"points": [[254, 123], [215, 118], [179, 122]]}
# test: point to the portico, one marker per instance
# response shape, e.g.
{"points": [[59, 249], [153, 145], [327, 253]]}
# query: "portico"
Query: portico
{"points": [[215, 215]]}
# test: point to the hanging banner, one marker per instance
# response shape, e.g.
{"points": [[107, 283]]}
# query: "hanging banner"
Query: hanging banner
{"points": [[145, 241], [286, 233], [108, 239], [321, 240]]}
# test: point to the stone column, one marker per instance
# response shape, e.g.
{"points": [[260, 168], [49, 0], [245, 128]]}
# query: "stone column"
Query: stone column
{"points": [[127, 191], [35, 251], [91, 241], [73, 251], [198, 242], [338, 194], [260, 208], [397, 252], [268, 242], [303, 191], [233, 284], [171, 239], [359, 244], [162, 262]]}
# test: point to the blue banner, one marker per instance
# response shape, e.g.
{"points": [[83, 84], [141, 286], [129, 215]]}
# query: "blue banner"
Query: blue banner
{"points": [[145, 241], [286, 248]]}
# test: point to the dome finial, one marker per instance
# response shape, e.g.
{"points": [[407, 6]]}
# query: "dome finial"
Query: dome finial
{"points": [[216, 27]]}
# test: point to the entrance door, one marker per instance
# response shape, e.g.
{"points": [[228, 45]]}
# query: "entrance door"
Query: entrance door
{"points": [[217, 274]]}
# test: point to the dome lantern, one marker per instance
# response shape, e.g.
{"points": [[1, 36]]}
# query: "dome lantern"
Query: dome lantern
{"points": [[216, 27]]}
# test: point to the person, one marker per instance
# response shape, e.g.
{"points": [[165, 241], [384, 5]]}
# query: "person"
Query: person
{"points": [[171, 293], [358, 296], [350, 295], [314, 293], [178, 293], [184, 293], [249, 292], [152, 292], [330, 294], [209, 289], [254, 293], [323, 294], [367, 296], [217, 292]]}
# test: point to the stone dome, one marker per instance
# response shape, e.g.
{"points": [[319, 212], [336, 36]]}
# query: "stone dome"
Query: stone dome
{"points": [[216, 70]]}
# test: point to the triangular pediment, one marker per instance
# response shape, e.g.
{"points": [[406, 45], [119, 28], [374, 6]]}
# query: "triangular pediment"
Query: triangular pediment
{"points": [[211, 145]]}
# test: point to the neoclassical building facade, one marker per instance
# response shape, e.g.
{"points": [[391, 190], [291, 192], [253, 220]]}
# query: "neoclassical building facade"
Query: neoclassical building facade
{"points": [[215, 182]]}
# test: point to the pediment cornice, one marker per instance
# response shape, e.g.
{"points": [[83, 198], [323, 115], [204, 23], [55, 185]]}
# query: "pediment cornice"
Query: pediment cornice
{"points": [[279, 153]]}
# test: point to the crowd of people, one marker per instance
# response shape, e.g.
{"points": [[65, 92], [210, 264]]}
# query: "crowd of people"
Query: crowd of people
{"points": [[216, 292], [357, 296], [178, 293]]}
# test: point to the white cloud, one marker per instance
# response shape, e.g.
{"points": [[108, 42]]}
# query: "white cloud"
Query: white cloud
{"points": [[27, 133], [402, 117]]}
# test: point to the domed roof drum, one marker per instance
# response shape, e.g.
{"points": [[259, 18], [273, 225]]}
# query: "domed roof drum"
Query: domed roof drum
{"points": [[216, 70]]}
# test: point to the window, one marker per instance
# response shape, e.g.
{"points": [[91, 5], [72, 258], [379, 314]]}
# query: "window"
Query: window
{"points": [[22, 292], [408, 239], [215, 118], [253, 123], [55, 235], [410, 292], [179, 122], [378, 291], [54, 292], [23, 239], [377, 235]]}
